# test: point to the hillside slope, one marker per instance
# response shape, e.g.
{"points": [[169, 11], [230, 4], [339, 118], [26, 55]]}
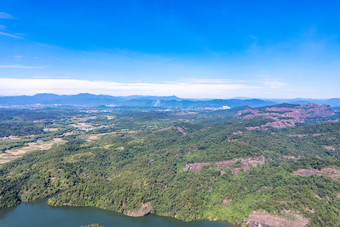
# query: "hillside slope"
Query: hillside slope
{"points": [[183, 165]]}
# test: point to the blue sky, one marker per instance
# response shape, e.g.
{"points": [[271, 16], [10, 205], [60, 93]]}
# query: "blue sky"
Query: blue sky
{"points": [[195, 49]]}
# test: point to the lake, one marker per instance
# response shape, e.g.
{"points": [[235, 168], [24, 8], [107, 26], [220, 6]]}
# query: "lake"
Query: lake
{"points": [[38, 213]]}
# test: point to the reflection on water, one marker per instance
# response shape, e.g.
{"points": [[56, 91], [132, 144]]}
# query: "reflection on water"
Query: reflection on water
{"points": [[40, 214]]}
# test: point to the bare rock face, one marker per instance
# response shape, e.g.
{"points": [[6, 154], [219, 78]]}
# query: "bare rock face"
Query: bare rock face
{"points": [[246, 163], [179, 129], [284, 117], [226, 202], [329, 148], [288, 219], [194, 167], [329, 172], [145, 209], [236, 171], [237, 132], [226, 164], [304, 135]]}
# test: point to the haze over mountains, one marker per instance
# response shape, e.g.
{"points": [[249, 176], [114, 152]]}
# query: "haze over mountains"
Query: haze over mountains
{"points": [[86, 99]]}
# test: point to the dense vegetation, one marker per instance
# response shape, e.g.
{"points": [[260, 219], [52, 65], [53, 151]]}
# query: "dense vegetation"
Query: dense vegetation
{"points": [[141, 159]]}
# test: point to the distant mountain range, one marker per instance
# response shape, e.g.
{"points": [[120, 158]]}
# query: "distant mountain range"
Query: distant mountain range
{"points": [[334, 102], [86, 99]]}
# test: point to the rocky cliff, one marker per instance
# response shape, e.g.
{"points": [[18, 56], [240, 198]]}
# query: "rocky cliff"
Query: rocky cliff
{"points": [[283, 117]]}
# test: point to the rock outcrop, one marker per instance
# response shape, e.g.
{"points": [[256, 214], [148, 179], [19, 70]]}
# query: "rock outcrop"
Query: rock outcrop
{"points": [[288, 219], [176, 128], [329, 172], [194, 167], [283, 117], [145, 209], [246, 163]]}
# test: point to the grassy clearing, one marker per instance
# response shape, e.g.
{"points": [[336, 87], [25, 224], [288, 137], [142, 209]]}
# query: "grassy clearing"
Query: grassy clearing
{"points": [[12, 154]]}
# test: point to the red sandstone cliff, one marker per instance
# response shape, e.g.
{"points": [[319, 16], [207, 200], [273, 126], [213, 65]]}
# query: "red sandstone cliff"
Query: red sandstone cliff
{"points": [[284, 117]]}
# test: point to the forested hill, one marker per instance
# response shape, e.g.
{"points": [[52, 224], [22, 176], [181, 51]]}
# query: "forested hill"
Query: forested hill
{"points": [[186, 164], [288, 115]]}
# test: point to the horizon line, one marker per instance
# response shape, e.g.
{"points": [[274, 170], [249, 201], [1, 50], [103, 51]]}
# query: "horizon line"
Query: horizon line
{"points": [[240, 98]]}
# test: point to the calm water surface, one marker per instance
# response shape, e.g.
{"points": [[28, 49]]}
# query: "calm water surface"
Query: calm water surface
{"points": [[40, 214]]}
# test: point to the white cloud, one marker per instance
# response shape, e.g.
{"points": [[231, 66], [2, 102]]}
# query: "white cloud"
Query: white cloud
{"points": [[4, 15], [274, 83], [10, 86], [211, 81], [22, 67], [18, 57], [10, 35]]}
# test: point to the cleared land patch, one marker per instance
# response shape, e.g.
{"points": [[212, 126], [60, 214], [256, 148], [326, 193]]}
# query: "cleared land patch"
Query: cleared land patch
{"points": [[10, 155], [91, 137]]}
